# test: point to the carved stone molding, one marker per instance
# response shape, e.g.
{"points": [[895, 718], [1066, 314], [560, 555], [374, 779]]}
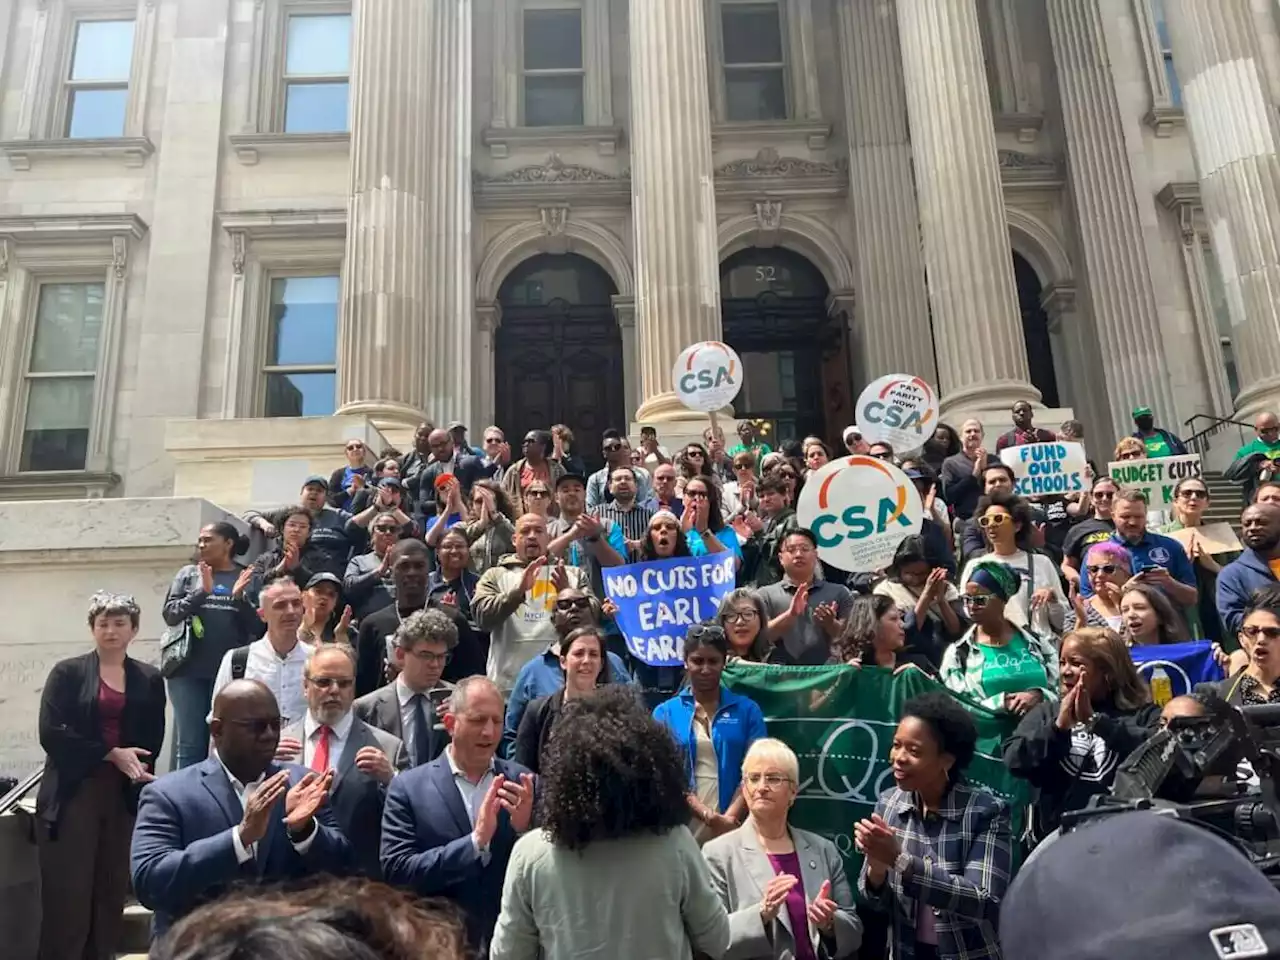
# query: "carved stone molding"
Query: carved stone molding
{"points": [[4, 258], [554, 170], [1029, 170], [554, 220], [120, 256], [768, 163], [1183, 199], [239, 250], [769, 222]]}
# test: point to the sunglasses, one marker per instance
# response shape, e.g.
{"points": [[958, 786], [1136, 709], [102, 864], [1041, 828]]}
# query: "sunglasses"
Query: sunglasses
{"points": [[354, 447], [330, 683], [1254, 632], [1195, 494], [578, 603], [706, 631], [612, 447], [693, 453], [537, 493], [993, 519], [258, 726], [978, 602], [1104, 495], [1107, 568]]}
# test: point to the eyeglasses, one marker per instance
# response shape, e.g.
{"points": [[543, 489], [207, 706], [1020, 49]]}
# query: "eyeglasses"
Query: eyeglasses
{"points": [[771, 780], [355, 446], [612, 447], [488, 440], [741, 616], [978, 602], [329, 683], [258, 726], [1253, 632], [428, 656], [1107, 568], [993, 519], [1195, 494], [576, 603], [698, 454]]}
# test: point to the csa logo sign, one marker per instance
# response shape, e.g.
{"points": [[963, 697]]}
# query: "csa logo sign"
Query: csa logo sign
{"points": [[707, 376], [860, 509], [898, 410]]}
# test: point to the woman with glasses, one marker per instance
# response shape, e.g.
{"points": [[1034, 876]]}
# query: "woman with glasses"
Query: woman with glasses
{"points": [[1003, 665], [101, 727], [1130, 448], [284, 559], [742, 488], [450, 588], [693, 461], [534, 464], [746, 625], [1148, 617], [586, 666], [1259, 681], [932, 612], [785, 888], [704, 520], [1096, 527], [1005, 521], [1190, 503], [349, 480], [715, 726], [1110, 567], [562, 451], [874, 636]]}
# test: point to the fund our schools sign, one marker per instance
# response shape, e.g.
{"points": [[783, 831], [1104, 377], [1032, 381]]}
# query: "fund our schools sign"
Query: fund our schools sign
{"points": [[1157, 477], [659, 600], [899, 410], [707, 376], [1046, 469], [860, 509]]}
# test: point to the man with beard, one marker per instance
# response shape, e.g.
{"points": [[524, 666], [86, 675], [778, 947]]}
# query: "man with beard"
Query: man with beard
{"points": [[542, 676], [410, 567], [446, 459], [1258, 566], [617, 453], [1024, 429], [363, 759], [581, 539], [237, 817], [515, 599], [1157, 560]]}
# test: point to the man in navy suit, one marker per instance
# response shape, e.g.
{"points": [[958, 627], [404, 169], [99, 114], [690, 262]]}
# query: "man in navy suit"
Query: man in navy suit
{"points": [[449, 825], [238, 817]]}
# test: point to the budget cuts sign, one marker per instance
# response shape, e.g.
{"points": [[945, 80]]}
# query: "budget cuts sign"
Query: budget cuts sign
{"points": [[707, 376], [898, 410], [860, 509], [1046, 469], [1157, 477], [658, 601]]}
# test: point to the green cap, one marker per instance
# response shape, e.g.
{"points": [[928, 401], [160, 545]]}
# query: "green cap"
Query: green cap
{"points": [[1141, 412]]}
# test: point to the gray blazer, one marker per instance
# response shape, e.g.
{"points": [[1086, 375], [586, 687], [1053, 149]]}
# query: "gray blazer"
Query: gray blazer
{"points": [[741, 870], [381, 709], [362, 734]]}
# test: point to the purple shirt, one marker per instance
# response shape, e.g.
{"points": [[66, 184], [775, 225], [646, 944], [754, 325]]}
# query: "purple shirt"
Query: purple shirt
{"points": [[797, 906]]}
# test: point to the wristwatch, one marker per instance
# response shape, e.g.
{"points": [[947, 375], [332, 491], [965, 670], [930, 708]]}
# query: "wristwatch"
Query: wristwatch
{"points": [[902, 864]]}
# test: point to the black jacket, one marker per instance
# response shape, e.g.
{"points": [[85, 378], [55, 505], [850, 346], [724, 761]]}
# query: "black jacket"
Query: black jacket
{"points": [[71, 733], [535, 729], [337, 495], [422, 486]]}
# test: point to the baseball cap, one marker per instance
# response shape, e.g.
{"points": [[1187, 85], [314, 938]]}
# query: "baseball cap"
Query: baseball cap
{"points": [[851, 431], [393, 482], [1132, 886], [320, 578], [1142, 412], [565, 478], [316, 480], [456, 425]]}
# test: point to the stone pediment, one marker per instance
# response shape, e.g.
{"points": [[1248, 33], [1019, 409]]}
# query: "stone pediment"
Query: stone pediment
{"points": [[1029, 169], [767, 163], [554, 170], [551, 181], [772, 175]]}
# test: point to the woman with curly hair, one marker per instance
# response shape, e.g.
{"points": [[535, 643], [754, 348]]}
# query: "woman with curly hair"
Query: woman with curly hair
{"points": [[613, 817], [874, 636]]}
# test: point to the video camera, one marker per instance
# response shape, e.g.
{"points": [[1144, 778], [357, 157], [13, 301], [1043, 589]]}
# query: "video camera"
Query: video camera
{"points": [[1201, 769]]}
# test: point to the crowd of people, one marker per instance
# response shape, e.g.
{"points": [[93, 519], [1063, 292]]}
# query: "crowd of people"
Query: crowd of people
{"points": [[421, 683]]}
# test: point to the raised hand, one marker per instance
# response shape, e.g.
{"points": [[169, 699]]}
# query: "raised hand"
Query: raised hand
{"points": [[487, 816], [305, 797], [799, 601], [1067, 711], [608, 607], [342, 632], [290, 556], [289, 749], [531, 573], [374, 762], [822, 911], [877, 840], [206, 577], [775, 895], [242, 583], [587, 527], [257, 809], [560, 577], [689, 518]]}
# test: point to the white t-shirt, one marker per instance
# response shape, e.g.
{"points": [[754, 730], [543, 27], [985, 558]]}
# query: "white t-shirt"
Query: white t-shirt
{"points": [[1045, 575]]}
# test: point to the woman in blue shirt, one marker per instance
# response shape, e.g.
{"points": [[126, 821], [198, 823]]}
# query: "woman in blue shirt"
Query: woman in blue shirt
{"points": [[703, 520], [715, 726]]}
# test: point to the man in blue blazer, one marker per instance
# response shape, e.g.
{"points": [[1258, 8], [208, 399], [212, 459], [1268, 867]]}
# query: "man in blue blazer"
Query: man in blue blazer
{"points": [[238, 817], [449, 825]]}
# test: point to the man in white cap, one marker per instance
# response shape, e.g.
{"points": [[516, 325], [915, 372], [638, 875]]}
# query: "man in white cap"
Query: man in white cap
{"points": [[853, 441]]}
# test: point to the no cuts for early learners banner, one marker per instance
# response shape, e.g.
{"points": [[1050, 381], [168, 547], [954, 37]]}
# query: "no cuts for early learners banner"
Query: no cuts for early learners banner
{"points": [[660, 599]]}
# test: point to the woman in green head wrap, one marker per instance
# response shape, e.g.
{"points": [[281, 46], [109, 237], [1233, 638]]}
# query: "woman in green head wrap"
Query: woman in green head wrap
{"points": [[1002, 666]]}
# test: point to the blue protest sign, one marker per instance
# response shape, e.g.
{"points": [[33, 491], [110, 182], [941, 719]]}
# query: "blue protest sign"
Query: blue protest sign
{"points": [[1173, 669], [658, 601]]}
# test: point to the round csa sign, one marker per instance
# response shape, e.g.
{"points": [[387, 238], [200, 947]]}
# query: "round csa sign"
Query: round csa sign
{"points": [[860, 509], [707, 376], [898, 410]]}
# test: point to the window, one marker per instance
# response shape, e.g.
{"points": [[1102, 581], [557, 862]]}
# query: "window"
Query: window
{"points": [[98, 79], [302, 347], [60, 376], [1166, 52], [1221, 314], [755, 67], [317, 73], [553, 68]]}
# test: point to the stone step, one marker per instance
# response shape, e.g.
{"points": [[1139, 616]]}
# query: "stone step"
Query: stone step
{"points": [[135, 933]]}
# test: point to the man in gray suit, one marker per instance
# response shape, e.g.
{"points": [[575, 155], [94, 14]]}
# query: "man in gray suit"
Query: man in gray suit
{"points": [[363, 758], [411, 706]]}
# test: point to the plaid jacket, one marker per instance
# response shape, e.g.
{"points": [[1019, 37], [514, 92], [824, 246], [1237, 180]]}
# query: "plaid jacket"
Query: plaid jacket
{"points": [[960, 868], [961, 672]]}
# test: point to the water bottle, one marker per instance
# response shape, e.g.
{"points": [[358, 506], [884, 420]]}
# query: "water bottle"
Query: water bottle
{"points": [[1161, 686]]}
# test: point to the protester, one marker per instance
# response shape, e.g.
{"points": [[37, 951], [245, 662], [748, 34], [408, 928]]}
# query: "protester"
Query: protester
{"points": [[458, 431], [208, 614], [617, 453], [490, 534], [582, 539], [388, 468], [1259, 681], [534, 465], [367, 584], [447, 459], [1190, 502], [206, 828], [409, 566], [449, 826], [816, 455], [703, 520], [943, 444], [882, 451], [585, 665], [961, 473], [1070, 750], [1129, 448], [624, 509], [416, 460], [285, 558], [319, 601], [1255, 463], [997, 478], [721, 462], [998, 663], [279, 658], [930, 605], [853, 442], [562, 442], [612, 813], [101, 727], [1158, 441], [1149, 618], [1157, 559], [1110, 567], [497, 453], [806, 612], [938, 850], [874, 636], [1096, 527], [363, 758], [349, 480], [744, 619], [331, 538], [749, 442], [1024, 430], [450, 590], [761, 564], [785, 889], [664, 490], [1256, 566]]}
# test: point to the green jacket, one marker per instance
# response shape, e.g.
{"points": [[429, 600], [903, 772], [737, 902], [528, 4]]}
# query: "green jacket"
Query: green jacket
{"points": [[959, 677]]}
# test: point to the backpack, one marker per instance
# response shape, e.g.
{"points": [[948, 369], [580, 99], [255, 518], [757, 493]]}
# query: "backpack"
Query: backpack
{"points": [[239, 662]]}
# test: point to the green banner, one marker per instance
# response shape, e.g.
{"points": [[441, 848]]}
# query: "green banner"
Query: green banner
{"points": [[840, 722]]}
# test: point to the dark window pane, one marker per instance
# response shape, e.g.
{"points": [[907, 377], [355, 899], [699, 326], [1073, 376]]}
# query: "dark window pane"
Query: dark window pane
{"points": [[57, 425], [552, 39], [318, 45], [104, 50], [1175, 88], [68, 325], [301, 394], [304, 321], [316, 108], [755, 95], [553, 101], [96, 113], [752, 33]]}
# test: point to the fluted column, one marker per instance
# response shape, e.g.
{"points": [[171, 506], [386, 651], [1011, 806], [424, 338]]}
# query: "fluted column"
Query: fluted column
{"points": [[1234, 134], [405, 343], [982, 356], [673, 196], [893, 304], [1122, 297]]}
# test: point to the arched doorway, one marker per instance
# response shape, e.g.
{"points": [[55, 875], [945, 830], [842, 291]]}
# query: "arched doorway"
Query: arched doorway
{"points": [[774, 306], [558, 353], [1035, 331]]}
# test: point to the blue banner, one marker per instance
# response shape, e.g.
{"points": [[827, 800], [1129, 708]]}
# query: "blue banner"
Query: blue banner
{"points": [[658, 601], [1173, 669]]}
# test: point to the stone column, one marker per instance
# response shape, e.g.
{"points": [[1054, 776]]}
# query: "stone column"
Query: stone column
{"points": [[1123, 301], [893, 304], [982, 356], [1234, 134], [624, 308], [673, 196], [404, 349]]}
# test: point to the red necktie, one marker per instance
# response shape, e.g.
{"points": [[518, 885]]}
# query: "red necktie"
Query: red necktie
{"points": [[320, 760]]}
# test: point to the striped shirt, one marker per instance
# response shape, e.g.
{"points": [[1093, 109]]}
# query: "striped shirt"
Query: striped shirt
{"points": [[634, 522]]}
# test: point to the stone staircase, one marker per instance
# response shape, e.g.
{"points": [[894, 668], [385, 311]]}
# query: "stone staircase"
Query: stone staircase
{"points": [[135, 936], [1225, 500]]}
